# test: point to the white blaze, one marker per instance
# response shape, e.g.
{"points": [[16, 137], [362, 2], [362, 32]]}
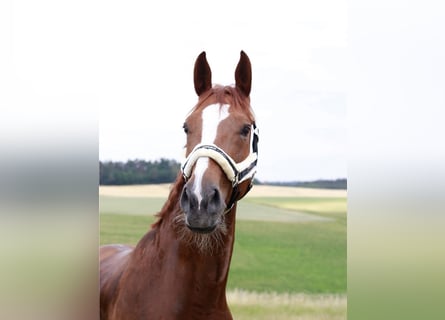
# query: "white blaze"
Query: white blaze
{"points": [[211, 117]]}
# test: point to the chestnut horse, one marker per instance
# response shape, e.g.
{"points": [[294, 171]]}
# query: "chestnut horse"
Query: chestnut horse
{"points": [[179, 269]]}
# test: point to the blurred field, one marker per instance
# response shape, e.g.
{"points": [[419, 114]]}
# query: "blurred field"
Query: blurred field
{"points": [[161, 191], [289, 259], [265, 305]]}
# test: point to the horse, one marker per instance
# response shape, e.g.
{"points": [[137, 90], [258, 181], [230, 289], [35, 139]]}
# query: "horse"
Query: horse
{"points": [[179, 268]]}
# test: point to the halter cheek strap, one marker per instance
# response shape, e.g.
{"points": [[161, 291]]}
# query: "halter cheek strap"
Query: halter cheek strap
{"points": [[235, 172]]}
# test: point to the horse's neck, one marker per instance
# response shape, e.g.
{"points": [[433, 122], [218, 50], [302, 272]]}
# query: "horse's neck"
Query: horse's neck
{"points": [[182, 269], [208, 266]]}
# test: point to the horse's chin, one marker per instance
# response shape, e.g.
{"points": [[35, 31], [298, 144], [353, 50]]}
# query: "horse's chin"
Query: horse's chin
{"points": [[207, 240], [202, 230]]}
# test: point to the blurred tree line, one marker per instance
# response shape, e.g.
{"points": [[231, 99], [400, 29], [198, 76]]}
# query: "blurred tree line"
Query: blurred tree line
{"points": [[138, 172], [319, 184], [166, 171]]}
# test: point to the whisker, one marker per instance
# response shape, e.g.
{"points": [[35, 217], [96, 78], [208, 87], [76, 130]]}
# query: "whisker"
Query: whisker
{"points": [[205, 243]]}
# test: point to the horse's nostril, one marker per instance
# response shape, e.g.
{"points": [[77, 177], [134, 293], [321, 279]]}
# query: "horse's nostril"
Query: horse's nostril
{"points": [[184, 194], [185, 200], [216, 197], [214, 200]]}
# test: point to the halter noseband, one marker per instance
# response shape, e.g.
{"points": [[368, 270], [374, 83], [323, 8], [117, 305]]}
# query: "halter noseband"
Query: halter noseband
{"points": [[235, 172]]}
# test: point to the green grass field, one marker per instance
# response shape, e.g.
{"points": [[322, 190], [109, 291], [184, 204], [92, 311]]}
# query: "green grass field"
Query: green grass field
{"points": [[293, 248]]}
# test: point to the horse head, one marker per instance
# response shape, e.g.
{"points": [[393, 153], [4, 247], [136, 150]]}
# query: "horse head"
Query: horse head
{"points": [[221, 149]]}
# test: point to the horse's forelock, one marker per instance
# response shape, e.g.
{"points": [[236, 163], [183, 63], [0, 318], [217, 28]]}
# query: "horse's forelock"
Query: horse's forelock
{"points": [[225, 95]]}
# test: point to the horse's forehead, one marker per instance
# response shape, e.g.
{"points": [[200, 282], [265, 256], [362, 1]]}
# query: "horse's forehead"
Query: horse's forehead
{"points": [[217, 110], [227, 99], [213, 110], [212, 116]]}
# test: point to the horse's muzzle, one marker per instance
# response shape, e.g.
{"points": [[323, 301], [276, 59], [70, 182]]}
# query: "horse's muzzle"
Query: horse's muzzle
{"points": [[203, 209]]}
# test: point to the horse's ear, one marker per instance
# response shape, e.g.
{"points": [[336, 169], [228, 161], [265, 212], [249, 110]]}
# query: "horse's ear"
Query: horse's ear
{"points": [[243, 74], [202, 74]]}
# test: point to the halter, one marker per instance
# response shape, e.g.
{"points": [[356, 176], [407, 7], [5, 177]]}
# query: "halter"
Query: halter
{"points": [[235, 172]]}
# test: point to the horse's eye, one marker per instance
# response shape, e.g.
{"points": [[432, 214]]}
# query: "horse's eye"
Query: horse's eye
{"points": [[245, 130], [186, 128]]}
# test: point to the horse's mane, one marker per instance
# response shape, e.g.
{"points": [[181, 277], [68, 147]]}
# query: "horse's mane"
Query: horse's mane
{"points": [[172, 200]]}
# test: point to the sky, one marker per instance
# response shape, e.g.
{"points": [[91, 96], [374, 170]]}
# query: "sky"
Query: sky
{"points": [[130, 64], [298, 91]]}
